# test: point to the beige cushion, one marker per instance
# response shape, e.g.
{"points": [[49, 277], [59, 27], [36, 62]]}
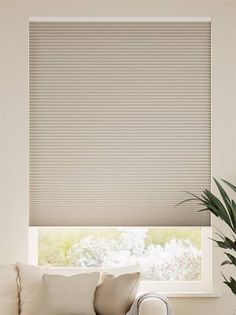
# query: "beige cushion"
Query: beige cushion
{"points": [[9, 304], [115, 295], [70, 295], [30, 278], [31, 284]]}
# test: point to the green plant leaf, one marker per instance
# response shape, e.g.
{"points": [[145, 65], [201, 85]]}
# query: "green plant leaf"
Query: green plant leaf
{"points": [[186, 200], [217, 207], [229, 184], [193, 198], [234, 211], [228, 204], [225, 242], [226, 262], [231, 258], [231, 283], [221, 244]]}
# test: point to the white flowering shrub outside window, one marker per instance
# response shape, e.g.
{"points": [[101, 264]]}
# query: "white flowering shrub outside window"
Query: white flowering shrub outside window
{"points": [[161, 254]]}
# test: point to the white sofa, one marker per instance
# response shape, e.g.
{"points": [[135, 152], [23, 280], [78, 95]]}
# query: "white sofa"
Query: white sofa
{"points": [[10, 287]]}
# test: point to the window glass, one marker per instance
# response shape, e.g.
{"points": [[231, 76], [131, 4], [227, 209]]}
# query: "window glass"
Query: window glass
{"points": [[161, 254]]}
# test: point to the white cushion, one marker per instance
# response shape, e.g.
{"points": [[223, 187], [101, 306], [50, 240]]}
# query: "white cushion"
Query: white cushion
{"points": [[31, 285], [116, 294], [8, 290], [70, 295]]}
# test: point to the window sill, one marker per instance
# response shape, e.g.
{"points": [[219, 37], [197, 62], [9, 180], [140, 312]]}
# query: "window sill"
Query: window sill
{"points": [[192, 294]]}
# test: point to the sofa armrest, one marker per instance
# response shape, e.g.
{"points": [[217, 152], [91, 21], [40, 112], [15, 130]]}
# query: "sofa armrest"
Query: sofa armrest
{"points": [[152, 306]]}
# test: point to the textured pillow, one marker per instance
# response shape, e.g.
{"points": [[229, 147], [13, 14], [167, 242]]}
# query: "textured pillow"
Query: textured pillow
{"points": [[115, 295], [70, 295], [9, 304], [30, 278], [31, 284]]}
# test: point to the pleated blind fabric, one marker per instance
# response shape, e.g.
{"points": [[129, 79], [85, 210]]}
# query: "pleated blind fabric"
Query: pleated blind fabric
{"points": [[119, 122]]}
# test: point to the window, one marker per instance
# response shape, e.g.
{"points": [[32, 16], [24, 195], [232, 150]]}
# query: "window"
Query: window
{"points": [[120, 126], [161, 254]]}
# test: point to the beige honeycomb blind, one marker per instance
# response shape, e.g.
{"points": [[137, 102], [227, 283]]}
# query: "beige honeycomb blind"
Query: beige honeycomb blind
{"points": [[119, 117]]}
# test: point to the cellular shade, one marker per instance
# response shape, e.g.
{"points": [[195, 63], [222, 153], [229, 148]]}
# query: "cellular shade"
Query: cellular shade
{"points": [[119, 122]]}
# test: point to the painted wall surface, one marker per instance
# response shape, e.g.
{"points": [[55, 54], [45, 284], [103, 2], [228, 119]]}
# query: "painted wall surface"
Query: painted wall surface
{"points": [[14, 17], [1, 119]]}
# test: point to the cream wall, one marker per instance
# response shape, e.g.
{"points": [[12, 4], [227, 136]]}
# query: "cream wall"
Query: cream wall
{"points": [[1, 107], [14, 112]]}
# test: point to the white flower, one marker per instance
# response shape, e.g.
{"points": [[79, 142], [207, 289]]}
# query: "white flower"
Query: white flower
{"points": [[176, 260]]}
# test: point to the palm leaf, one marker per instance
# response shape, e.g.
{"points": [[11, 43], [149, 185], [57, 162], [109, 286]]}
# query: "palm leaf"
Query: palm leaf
{"points": [[217, 207], [193, 198], [228, 204], [225, 242], [186, 200], [229, 184], [232, 259], [231, 283]]}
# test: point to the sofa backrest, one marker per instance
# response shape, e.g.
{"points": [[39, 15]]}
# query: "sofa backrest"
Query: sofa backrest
{"points": [[9, 301], [10, 281]]}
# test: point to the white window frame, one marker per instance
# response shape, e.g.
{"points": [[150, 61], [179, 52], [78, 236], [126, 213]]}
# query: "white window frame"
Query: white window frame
{"points": [[167, 287]]}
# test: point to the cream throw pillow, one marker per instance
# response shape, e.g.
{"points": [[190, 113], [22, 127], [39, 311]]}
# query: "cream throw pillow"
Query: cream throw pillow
{"points": [[31, 284], [115, 295], [9, 304], [70, 295]]}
